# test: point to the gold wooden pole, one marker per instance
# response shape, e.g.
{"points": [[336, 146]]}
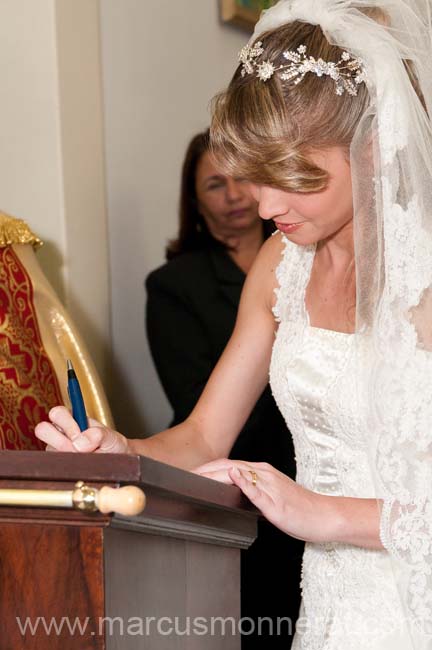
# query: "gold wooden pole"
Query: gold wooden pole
{"points": [[127, 500]]}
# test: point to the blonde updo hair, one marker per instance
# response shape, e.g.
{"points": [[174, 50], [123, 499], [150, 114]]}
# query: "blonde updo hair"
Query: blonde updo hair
{"points": [[265, 131]]}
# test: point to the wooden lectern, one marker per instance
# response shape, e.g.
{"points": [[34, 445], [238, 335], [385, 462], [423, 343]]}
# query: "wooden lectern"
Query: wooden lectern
{"points": [[166, 578]]}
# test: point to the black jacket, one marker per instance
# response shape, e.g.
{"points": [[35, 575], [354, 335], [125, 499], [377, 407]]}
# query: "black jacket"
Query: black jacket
{"points": [[191, 310]]}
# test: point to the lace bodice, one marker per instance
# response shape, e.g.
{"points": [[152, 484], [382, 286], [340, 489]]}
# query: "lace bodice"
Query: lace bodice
{"points": [[316, 391], [312, 376]]}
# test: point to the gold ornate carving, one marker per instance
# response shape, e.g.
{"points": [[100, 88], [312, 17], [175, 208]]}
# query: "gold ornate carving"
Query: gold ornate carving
{"points": [[16, 231]]}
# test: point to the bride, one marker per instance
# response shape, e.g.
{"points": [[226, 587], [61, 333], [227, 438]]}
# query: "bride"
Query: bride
{"points": [[327, 116]]}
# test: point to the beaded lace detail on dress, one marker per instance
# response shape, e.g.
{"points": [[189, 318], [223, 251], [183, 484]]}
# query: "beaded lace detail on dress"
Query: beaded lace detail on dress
{"points": [[312, 376]]}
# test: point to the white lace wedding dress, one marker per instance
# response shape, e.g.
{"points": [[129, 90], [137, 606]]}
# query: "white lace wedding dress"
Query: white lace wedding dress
{"points": [[349, 595]]}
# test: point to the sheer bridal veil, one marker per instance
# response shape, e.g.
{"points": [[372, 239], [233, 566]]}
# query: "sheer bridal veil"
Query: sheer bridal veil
{"points": [[391, 158]]}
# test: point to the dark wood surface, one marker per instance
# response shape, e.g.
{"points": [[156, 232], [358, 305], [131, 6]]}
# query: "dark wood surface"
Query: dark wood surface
{"points": [[179, 557], [53, 572], [204, 586], [119, 468], [66, 466]]}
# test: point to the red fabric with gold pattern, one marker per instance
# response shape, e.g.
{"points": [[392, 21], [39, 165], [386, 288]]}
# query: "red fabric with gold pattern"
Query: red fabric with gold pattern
{"points": [[28, 384]]}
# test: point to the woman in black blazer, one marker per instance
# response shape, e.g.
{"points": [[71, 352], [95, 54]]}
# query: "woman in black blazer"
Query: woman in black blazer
{"points": [[191, 310]]}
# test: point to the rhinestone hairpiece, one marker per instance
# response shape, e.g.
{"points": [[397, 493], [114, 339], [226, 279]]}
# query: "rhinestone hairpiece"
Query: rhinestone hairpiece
{"points": [[348, 73]]}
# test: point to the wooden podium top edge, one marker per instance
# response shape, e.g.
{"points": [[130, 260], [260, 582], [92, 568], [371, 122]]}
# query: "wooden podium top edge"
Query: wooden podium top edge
{"points": [[118, 468], [61, 466]]}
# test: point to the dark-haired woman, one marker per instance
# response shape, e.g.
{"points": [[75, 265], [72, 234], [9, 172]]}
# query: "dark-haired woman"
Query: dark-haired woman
{"points": [[191, 311]]}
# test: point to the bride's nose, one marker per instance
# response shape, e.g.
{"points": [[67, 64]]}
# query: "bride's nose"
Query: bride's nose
{"points": [[272, 202]]}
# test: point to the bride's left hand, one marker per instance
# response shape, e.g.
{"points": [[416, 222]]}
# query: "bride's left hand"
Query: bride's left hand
{"points": [[295, 510]]}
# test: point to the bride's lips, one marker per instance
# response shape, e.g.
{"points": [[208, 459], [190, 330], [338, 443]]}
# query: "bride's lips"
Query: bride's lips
{"points": [[289, 227]]}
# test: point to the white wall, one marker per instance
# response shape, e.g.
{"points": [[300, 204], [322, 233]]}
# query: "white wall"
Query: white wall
{"points": [[51, 150], [30, 157], [162, 63]]}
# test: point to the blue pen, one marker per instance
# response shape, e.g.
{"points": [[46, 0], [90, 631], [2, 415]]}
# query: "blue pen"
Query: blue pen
{"points": [[76, 398]]}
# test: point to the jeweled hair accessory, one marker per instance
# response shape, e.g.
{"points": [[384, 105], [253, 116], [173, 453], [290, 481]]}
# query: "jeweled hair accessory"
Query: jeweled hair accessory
{"points": [[348, 73]]}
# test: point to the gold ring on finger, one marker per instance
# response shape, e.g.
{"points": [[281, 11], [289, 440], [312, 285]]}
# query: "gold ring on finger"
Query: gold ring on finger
{"points": [[254, 476]]}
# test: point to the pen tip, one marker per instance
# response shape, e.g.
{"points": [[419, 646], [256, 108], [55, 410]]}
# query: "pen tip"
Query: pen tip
{"points": [[69, 365]]}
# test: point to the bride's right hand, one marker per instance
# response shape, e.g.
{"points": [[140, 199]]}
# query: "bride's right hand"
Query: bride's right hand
{"points": [[62, 433]]}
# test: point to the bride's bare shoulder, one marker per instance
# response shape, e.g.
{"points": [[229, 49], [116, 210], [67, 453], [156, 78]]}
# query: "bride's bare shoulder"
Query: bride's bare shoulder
{"points": [[271, 254], [263, 271]]}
